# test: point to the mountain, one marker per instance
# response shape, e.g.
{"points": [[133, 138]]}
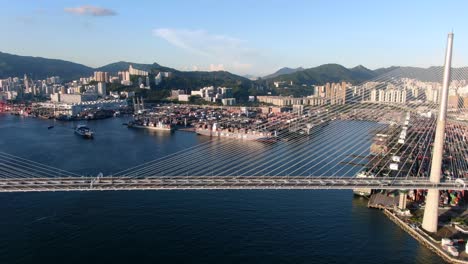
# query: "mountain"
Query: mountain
{"points": [[282, 71], [40, 68], [382, 71], [327, 73], [186, 80], [194, 80], [431, 74], [362, 73], [250, 77], [123, 66]]}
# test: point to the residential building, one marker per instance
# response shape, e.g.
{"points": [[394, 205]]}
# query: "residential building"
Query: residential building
{"points": [[101, 89]]}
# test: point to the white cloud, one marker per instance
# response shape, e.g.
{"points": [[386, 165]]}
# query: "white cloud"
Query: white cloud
{"points": [[88, 10], [221, 51]]}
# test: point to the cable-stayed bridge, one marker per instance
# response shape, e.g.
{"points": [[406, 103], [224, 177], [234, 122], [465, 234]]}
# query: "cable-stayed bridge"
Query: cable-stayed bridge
{"points": [[291, 163], [378, 135], [218, 183], [341, 148]]}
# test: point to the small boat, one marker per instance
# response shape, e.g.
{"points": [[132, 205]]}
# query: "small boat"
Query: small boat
{"points": [[50, 127], [84, 131]]}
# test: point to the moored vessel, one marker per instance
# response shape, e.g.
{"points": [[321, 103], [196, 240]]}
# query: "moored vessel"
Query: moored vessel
{"points": [[239, 133], [151, 125]]}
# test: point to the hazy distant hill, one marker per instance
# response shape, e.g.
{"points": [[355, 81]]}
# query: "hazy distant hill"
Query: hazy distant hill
{"points": [[335, 73], [282, 71], [250, 77], [382, 71], [40, 68], [431, 74], [328, 73]]}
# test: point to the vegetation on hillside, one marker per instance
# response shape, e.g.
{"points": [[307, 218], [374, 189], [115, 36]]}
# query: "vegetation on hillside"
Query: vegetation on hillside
{"points": [[40, 68]]}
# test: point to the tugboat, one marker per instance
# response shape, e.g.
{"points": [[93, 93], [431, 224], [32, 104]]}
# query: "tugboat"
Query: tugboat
{"points": [[84, 131]]}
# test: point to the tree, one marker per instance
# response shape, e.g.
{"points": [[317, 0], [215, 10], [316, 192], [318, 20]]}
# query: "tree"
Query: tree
{"points": [[195, 99]]}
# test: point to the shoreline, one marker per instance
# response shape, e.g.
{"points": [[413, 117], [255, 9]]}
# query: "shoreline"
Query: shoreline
{"points": [[424, 240]]}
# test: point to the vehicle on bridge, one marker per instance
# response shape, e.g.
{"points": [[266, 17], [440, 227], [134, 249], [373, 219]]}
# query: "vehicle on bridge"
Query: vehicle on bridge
{"points": [[460, 182]]}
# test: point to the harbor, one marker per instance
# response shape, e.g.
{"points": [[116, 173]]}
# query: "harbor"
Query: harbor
{"points": [[239, 217], [397, 135]]}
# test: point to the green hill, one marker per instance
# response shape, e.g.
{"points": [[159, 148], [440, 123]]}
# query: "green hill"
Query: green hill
{"points": [[327, 73], [123, 66], [40, 68], [283, 71]]}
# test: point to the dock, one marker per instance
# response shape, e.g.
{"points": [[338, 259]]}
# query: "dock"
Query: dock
{"points": [[382, 201]]}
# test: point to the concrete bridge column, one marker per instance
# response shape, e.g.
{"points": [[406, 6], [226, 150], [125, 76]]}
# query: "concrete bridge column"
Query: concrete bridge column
{"points": [[431, 212], [402, 201]]}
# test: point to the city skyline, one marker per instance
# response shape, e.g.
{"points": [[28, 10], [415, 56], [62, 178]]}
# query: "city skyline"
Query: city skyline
{"points": [[238, 37]]}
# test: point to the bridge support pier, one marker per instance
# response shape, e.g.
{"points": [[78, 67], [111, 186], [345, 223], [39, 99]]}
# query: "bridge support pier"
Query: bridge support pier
{"points": [[431, 212], [402, 201]]}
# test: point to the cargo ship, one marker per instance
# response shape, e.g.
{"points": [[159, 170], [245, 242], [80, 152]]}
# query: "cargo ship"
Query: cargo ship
{"points": [[151, 125], [235, 133], [366, 192]]}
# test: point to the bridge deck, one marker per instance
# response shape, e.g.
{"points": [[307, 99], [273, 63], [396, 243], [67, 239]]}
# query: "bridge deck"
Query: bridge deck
{"points": [[216, 182]]}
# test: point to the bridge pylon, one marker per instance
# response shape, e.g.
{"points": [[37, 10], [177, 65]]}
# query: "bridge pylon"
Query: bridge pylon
{"points": [[431, 212]]}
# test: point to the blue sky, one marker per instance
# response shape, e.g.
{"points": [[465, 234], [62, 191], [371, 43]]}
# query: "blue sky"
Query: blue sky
{"points": [[245, 37]]}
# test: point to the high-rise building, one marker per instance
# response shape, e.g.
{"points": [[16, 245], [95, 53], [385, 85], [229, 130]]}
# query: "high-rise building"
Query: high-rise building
{"points": [[100, 76], [373, 95], [465, 102], [336, 93], [225, 92], [454, 102], [26, 84], [121, 75], [158, 79], [101, 89], [127, 76], [137, 72], [327, 90]]}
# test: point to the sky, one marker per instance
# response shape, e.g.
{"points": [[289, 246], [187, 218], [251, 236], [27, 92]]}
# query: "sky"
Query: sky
{"points": [[255, 37]]}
